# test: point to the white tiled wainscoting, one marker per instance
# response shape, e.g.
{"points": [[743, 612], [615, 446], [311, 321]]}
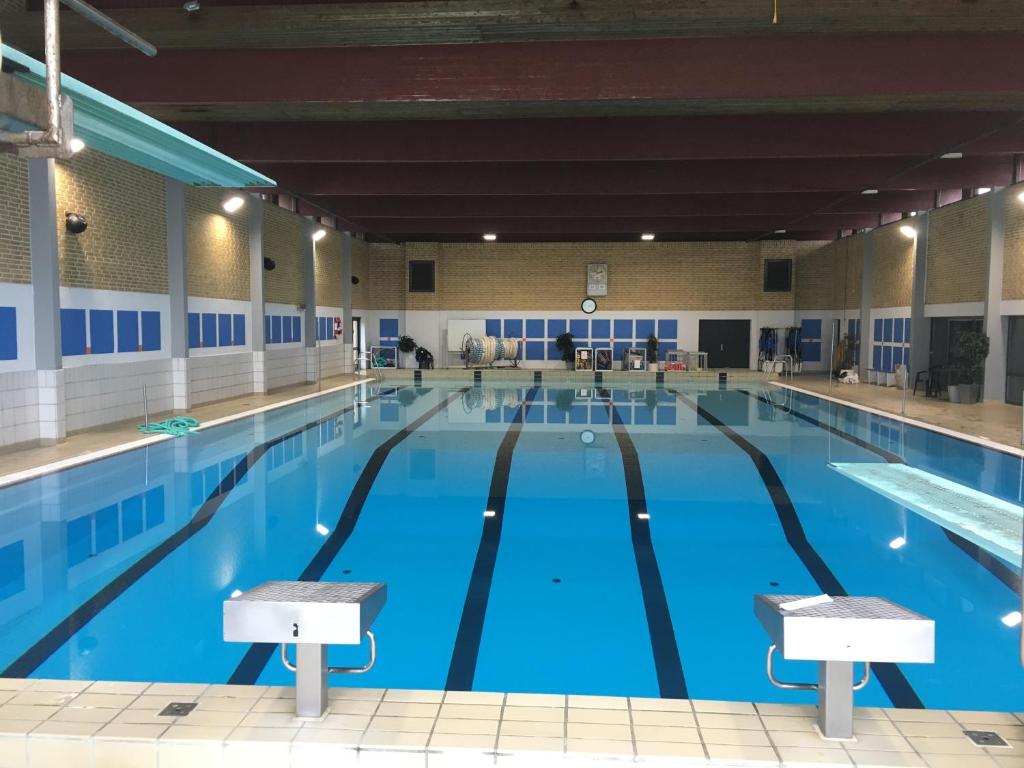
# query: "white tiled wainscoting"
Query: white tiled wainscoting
{"points": [[284, 366], [218, 377], [61, 723], [19, 407], [101, 394]]}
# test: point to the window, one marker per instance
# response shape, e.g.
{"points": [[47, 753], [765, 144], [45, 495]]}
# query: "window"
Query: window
{"points": [[421, 277], [778, 274]]}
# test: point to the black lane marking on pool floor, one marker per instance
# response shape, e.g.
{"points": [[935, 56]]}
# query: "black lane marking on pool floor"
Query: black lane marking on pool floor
{"points": [[47, 645], [895, 683], [1000, 570], [667, 664], [466, 650], [258, 654]]}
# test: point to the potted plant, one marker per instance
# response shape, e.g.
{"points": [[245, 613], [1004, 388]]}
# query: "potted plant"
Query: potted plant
{"points": [[424, 358], [968, 367], [652, 353], [406, 344], [563, 342]]}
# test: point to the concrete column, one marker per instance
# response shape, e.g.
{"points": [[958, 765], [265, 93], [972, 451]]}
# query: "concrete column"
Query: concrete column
{"points": [[866, 298], [256, 283], [995, 325], [346, 301], [177, 288], [920, 327], [309, 226], [42, 214]]}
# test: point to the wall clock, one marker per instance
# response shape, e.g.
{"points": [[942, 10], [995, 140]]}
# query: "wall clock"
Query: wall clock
{"points": [[588, 305]]}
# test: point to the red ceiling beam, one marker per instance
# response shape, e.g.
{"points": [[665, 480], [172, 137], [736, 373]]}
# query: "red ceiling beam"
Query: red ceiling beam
{"points": [[829, 222], [758, 68], [611, 138], [640, 178], [631, 206]]}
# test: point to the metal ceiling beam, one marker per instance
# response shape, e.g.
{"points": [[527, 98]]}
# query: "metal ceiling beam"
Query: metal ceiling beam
{"points": [[622, 206], [614, 138], [827, 68], [639, 178]]}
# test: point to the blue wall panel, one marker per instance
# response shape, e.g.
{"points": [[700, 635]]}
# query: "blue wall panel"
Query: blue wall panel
{"points": [[644, 328], [150, 331], [72, 331], [535, 350], [623, 330], [492, 327], [8, 333], [297, 328], [224, 330], [127, 331], [876, 357], [209, 329], [886, 359], [897, 331], [286, 330], [580, 329], [877, 335], [556, 328], [101, 331], [668, 329], [535, 329], [887, 329], [275, 329], [553, 352], [513, 329], [238, 324], [389, 326], [810, 351], [193, 330], [810, 329], [600, 329]]}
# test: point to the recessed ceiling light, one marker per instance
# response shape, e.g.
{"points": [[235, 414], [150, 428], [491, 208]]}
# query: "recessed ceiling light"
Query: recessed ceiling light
{"points": [[952, 156], [319, 235], [647, 236], [233, 203], [76, 145], [490, 237], [322, 529], [898, 543], [908, 231], [191, 6], [780, 231], [1012, 619], [984, 190], [869, 191]]}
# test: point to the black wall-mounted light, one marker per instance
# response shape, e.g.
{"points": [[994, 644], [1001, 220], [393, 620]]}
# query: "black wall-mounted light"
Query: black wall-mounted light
{"points": [[75, 223], [355, 280], [269, 264]]}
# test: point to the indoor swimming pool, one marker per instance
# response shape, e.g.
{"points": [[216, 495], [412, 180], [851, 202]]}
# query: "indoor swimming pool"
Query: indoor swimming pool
{"points": [[533, 538]]}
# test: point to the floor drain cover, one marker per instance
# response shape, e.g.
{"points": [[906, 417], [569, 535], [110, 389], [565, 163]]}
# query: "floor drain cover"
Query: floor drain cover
{"points": [[986, 738], [179, 709]]}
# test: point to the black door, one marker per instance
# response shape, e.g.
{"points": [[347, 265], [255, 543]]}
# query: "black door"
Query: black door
{"points": [[1015, 362], [727, 343]]}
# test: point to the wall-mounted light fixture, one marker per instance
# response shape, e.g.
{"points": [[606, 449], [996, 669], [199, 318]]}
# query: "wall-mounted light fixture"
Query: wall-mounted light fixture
{"points": [[76, 145], [984, 190], [75, 223], [647, 236], [1021, 197], [908, 231], [269, 264], [355, 280], [319, 235], [233, 203], [490, 237], [869, 191]]}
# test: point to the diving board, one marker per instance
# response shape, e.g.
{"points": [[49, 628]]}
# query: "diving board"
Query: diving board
{"points": [[990, 522]]}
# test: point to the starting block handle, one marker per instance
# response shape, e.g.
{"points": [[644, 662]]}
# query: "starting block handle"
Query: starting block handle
{"points": [[338, 670], [769, 668]]}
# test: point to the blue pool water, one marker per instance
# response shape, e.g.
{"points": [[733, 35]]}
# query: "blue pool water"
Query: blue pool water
{"points": [[117, 570]]}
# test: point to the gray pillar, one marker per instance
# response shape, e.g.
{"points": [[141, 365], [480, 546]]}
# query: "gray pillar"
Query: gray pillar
{"points": [[42, 215], [866, 299], [920, 330], [177, 289], [995, 326], [256, 283], [348, 362], [309, 300]]}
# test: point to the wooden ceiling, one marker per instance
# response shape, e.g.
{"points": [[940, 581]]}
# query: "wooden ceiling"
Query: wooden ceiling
{"points": [[582, 119]]}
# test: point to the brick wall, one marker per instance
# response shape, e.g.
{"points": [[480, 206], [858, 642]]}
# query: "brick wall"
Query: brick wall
{"points": [[828, 276], [282, 242], [125, 246], [1013, 252], [552, 276], [327, 258], [15, 260], [360, 269], [892, 276], [958, 244], [217, 246]]}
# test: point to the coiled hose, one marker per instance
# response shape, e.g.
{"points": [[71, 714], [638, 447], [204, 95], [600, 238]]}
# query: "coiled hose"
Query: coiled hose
{"points": [[178, 426]]}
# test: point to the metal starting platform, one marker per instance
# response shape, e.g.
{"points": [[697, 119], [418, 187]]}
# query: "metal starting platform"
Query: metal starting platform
{"points": [[312, 615], [837, 634]]}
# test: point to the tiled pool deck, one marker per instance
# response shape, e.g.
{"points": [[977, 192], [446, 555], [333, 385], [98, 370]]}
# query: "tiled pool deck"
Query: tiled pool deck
{"points": [[64, 724]]}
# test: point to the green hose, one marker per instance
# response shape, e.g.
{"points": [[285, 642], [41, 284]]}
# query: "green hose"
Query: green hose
{"points": [[178, 426]]}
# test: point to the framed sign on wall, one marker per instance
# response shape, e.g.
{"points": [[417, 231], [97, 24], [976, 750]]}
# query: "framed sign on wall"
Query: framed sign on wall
{"points": [[597, 279]]}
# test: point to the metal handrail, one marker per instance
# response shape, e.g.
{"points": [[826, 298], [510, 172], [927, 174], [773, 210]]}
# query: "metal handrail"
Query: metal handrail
{"points": [[807, 686], [338, 670]]}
